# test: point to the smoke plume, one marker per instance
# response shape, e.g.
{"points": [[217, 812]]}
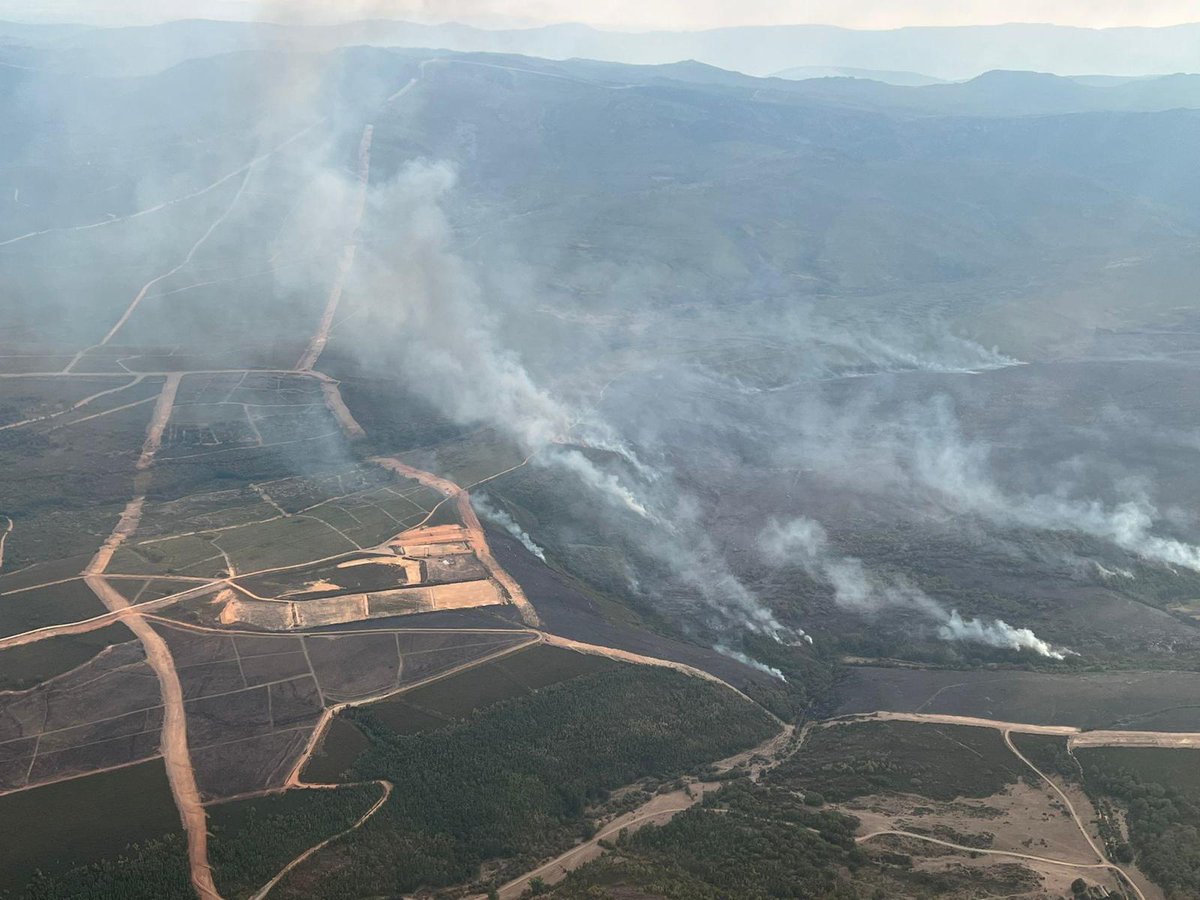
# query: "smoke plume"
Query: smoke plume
{"points": [[804, 542], [499, 517]]}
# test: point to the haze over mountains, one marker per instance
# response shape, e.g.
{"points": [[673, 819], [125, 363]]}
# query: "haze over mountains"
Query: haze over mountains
{"points": [[949, 53], [345, 362]]}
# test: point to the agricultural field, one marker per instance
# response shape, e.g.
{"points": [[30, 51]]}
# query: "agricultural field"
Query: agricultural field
{"points": [[448, 700], [594, 733], [82, 820]]}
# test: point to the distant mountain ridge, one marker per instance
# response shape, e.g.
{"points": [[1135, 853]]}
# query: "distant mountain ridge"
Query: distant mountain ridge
{"points": [[944, 53]]}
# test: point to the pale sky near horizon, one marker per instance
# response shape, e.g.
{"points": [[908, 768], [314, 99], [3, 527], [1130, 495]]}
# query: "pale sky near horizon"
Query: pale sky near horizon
{"points": [[631, 14]]}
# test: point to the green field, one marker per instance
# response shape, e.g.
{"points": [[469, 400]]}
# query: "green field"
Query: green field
{"points": [[30, 664], [514, 782], [54, 605], [75, 822], [447, 700], [942, 763]]}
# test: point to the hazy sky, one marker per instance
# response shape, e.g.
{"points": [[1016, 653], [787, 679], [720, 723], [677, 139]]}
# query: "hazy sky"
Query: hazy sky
{"points": [[683, 14]]}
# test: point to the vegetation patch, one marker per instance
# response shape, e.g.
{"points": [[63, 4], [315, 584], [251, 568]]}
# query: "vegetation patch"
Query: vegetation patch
{"points": [[29, 664], [513, 784], [249, 842], [1159, 791], [83, 820], [940, 762]]}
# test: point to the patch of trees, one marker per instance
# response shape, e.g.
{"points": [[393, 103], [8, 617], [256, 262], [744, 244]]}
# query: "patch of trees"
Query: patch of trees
{"points": [[847, 761], [514, 783], [250, 841], [760, 842], [1163, 823]]}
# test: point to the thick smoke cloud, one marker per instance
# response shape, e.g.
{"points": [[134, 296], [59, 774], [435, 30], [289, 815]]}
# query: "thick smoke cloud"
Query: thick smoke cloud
{"points": [[804, 542], [922, 452], [454, 358]]}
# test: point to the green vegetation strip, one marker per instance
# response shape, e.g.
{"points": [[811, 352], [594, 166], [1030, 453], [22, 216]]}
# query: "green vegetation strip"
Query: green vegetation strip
{"points": [[76, 822], [251, 840], [512, 785]]}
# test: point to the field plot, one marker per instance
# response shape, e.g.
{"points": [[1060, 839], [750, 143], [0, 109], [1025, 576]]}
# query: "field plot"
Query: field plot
{"points": [[64, 487], [449, 700], [25, 610], [468, 461], [252, 701], [16, 359], [104, 713], [1156, 701], [49, 403], [511, 676], [473, 792], [283, 523], [75, 822], [24, 666]]}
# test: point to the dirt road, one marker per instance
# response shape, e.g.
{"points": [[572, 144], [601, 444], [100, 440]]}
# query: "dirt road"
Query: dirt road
{"points": [[659, 809], [316, 345], [8, 527], [173, 742], [141, 295], [639, 659], [387, 786], [1076, 737]]}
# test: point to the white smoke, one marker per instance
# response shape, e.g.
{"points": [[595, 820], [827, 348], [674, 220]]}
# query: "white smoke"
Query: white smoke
{"points": [[804, 542], [957, 470], [923, 454], [996, 633], [499, 517], [453, 356], [749, 661]]}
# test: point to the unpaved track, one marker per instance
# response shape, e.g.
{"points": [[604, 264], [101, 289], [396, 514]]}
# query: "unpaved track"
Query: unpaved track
{"points": [[103, 620], [637, 658], [659, 809], [4, 538], [1008, 742], [173, 742], [1006, 853], [387, 792], [141, 295], [346, 260], [1007, 729], [79, 404], [167, 203], [475, 534], [1076, 737], [293, 779]]}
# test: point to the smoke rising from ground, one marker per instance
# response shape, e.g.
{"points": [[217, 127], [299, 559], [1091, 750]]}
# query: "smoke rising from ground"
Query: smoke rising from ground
{"points": [[454, 358], [922, 452], [804, 542], [499, 517], [749, 661]]}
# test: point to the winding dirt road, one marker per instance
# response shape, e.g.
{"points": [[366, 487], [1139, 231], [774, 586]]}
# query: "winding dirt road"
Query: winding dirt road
{"points": [[1006, 729], [4, 538], [387, 786], [659, 810]]}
